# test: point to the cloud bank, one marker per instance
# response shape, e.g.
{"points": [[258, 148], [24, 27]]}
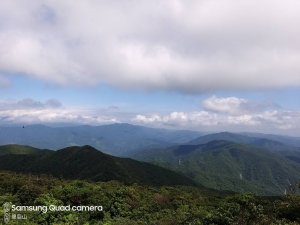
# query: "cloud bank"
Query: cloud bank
{"points": [[30, 111], [214, 114], [185, 46], [231, 114]]}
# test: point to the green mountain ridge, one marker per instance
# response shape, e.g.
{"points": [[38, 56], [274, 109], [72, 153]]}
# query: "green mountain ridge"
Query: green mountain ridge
{"points": [[226, 165], [257, 141], [288, 140], [17, 149], [90, 164]]}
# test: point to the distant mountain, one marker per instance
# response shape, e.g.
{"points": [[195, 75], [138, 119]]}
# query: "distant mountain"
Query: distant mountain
{"points": [[116, 139], [287, 140], [221, 136], [86, 163], [258, 141], [227, 165]]}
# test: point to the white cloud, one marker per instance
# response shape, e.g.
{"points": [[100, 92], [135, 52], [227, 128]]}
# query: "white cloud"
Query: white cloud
{"points": [[231, 105], [216, 117], [233, 114], [248, 120], [236, 106], [29, 111], [28, 103], [187, 46], [179, 119]]}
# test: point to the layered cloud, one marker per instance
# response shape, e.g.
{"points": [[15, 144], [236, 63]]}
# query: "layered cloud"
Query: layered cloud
{"points": [[215, 114], [231, 113], [236, 106], [28, 103], [29, 111], [186, 46]]}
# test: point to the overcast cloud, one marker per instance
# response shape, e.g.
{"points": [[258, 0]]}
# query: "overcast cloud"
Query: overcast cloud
{"points": [[186, 46]]}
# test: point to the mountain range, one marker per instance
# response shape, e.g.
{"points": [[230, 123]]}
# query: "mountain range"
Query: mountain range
{"points": [[86, 163], [280, 143], [115, 139], [228, 161], [242, 162]]}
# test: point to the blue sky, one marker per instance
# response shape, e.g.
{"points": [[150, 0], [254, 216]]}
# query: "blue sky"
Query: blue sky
{"points": [[106, 96], [203, 65]]}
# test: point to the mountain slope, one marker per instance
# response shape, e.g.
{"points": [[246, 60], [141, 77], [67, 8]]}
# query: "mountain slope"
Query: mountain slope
{"points": [[116, 139], [260, 142], [226, 136], [288, 140], [225, 165], [17, 149], [88, 163]]}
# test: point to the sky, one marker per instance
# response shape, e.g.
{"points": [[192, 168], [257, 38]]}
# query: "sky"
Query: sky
{"points": [[208, 65]]}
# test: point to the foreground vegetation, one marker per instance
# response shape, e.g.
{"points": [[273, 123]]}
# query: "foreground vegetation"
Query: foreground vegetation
{"points": [[137, 204]]}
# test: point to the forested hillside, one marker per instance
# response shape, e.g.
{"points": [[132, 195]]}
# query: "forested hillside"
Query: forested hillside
{"points": [[139, 205], [86, 163], [227, 165]]}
